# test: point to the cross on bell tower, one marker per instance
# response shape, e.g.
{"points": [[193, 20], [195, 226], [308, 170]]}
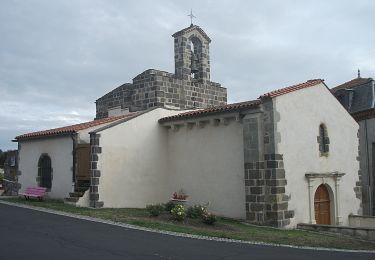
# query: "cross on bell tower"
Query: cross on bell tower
{"points": [[191, 17]]}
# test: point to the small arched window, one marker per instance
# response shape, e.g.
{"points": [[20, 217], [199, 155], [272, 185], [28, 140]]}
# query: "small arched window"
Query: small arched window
{"points": [[323, 140], [44, 178]]}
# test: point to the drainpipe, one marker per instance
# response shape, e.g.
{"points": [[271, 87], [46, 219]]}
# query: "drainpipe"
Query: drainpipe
{"points": [[74, 141], [369, 193], [371, 180]]}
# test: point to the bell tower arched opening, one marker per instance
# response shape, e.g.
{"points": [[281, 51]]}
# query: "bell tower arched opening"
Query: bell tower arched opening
{"points": [[195, 58]]}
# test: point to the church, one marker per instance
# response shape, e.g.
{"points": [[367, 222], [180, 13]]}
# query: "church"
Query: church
{"points": [[278, 160]]}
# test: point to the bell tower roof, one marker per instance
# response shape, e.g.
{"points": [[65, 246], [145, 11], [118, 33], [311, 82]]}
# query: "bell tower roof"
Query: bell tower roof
{"points": [[191, 28]]}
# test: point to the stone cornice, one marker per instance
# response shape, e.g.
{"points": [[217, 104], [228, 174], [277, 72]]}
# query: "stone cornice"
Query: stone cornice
{"points": [[311, 175]]}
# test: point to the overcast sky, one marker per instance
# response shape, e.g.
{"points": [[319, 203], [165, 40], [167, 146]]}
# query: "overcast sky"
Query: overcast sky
{"points": [[58, 57]]}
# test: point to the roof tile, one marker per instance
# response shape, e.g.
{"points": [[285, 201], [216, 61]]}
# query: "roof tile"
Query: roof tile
{"points": [[351, 83], [289, 89], [72, 128]]}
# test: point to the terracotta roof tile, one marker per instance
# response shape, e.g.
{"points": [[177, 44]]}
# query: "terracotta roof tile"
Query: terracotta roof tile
{"points": [[362, 115], [212, 110], [289, 89], [351, 83], [72, 128]]}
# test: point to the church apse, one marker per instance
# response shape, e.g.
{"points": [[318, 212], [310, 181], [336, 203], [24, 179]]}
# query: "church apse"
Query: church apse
{"points": [[189, 87]]}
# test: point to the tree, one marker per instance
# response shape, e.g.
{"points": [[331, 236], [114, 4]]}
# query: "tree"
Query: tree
{"points": [[3, 156]]}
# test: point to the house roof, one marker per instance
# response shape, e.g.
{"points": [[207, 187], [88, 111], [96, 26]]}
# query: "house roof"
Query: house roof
{"points": [[352, 83], [213, 110], [286, 90], [363, 115], [71, 128]]}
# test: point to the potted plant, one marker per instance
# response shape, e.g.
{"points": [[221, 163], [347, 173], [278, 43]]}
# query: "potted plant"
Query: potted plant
{"points": [[179, 197]]}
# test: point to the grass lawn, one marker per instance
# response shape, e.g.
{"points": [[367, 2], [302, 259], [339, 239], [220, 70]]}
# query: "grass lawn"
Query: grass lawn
{"points": [[223, 228]]}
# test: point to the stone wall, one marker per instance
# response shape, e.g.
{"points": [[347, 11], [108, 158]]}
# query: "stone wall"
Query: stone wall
{"points": [[358, 232], [154, 88], [120, 96], [94, 172], [266, 201]]}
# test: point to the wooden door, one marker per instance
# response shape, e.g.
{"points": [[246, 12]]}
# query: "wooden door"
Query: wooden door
{"points": [[83, 161], [322, 206]]}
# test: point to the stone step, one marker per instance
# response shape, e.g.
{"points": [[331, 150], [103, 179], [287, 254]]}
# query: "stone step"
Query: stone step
{"points": [[81, 189], [85, 183], [76, 194], [72, 199]]}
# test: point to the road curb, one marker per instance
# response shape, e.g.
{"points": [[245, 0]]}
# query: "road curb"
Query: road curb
{"points": [[176, 234]]}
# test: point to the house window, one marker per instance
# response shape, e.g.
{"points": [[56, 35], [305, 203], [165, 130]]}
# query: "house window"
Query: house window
{"points": [[323, 140]]}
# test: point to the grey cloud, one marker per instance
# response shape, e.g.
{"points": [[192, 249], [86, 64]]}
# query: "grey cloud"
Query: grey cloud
{"points": [[58, 57]]}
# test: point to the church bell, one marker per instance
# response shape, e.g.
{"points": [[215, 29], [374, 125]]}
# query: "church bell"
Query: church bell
{"points": [[194, 63]]}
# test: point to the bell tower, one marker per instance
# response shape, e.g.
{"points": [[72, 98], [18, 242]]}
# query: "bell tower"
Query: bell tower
{"points": [[191, 54], [189, 87]]}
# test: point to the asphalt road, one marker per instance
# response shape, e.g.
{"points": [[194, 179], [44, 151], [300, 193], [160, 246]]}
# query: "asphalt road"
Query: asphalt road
{"points": [[30, 234]]}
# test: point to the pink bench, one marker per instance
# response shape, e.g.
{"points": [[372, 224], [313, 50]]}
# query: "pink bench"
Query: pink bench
{"points": [[34, 192]]}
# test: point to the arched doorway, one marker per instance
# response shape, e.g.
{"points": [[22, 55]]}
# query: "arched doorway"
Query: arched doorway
{"points": [[322, 206], [45, 171]]}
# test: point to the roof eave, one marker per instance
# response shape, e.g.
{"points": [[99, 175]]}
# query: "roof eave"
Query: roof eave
{"points": [[207, 114], [27, 138]]}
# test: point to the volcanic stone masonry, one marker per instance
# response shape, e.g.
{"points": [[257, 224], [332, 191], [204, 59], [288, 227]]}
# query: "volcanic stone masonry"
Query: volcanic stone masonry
{"points": [[189, 87]]}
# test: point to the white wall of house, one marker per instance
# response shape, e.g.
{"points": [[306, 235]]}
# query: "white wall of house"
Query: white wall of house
{"points": [[59, 149], [133, 162], [207, 163], [299, 115]]}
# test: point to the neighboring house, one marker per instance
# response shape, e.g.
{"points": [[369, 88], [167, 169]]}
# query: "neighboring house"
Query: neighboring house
{"points": [[358, 97], [278, 160], [10, 184]]}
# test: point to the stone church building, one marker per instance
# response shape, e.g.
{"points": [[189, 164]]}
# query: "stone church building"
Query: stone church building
{"points": [[278, 160]]}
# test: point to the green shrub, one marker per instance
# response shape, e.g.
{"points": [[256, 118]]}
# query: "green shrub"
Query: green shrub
{"points": [[155, 210], [169, 206], [196, 211], [179, 212], [208, 218]]}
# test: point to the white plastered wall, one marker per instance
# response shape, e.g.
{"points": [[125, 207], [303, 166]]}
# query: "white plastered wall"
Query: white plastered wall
{"points": [[59, 149], [299, 115], [207, 163], [133, 162]]}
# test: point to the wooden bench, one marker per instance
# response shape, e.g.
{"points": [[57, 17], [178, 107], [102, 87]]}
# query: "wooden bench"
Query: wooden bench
{"points": [[34, 192]]}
